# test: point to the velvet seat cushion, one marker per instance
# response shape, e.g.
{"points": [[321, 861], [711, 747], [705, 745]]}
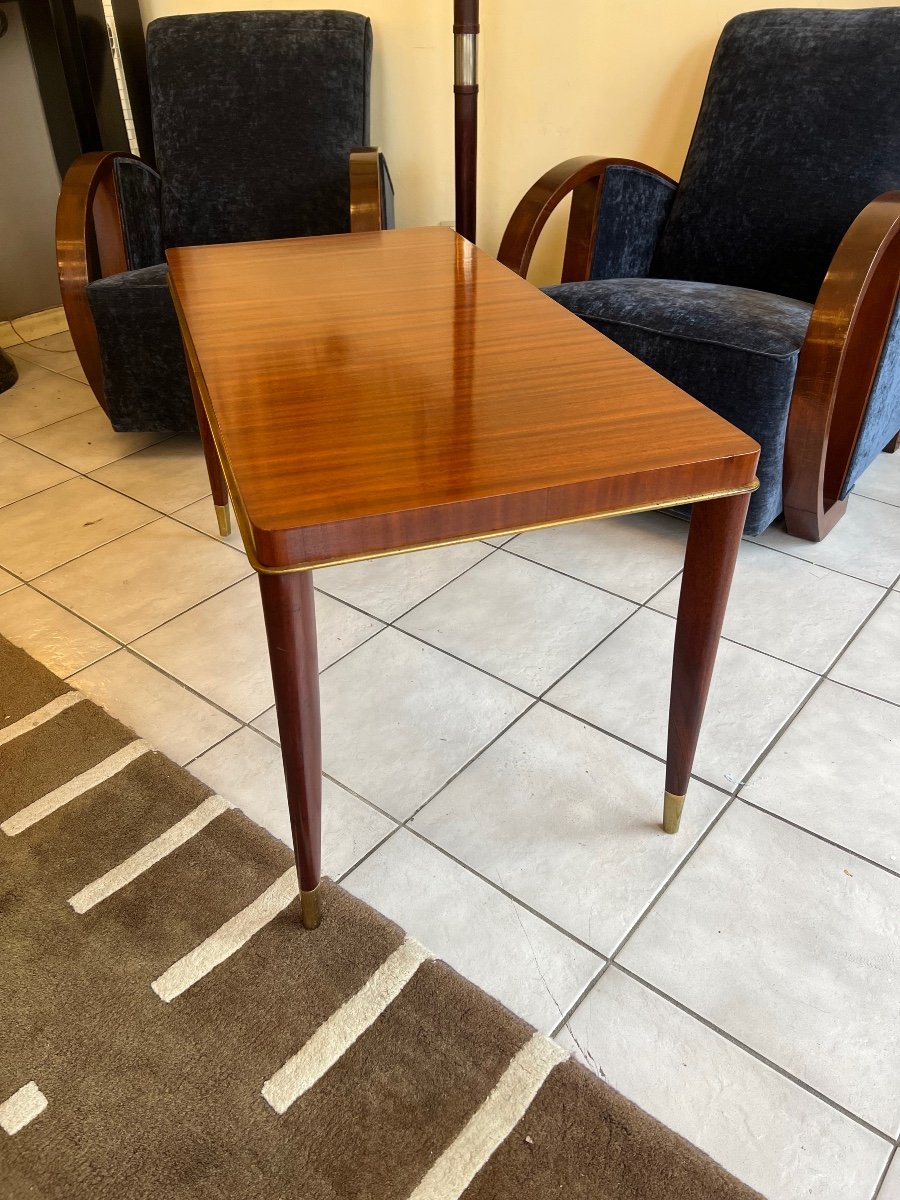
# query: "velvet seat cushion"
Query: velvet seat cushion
{"points": [[733, 349], [145, 378]]}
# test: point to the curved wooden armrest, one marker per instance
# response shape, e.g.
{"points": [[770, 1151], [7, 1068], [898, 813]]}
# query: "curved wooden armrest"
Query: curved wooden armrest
{"points": [[370, 206], [837, 367], [90, 243], [584, 177]]}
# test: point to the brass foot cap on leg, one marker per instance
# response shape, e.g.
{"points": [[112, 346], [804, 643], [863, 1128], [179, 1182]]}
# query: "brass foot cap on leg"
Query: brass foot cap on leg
{"points": [[311, 908], [672, 807], [223, 516]]}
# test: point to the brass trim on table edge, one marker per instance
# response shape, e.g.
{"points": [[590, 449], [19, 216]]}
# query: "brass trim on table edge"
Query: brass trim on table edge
{"points": [[311, 908], [244, 526], [672, 809], [477, 537]]}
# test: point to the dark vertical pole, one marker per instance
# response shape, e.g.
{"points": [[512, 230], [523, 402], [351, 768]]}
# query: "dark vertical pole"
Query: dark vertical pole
{"points": [[465, 87]]}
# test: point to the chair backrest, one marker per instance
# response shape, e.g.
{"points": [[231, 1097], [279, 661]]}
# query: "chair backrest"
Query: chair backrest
{"points": [[254, 116], [798, 130]]}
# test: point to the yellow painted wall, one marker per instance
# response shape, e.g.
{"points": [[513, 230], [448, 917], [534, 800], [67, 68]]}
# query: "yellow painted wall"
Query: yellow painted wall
{"points": [[605, 77]]}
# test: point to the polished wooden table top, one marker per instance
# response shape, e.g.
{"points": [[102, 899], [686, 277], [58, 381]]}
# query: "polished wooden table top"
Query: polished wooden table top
{"points": [[377, 392]]}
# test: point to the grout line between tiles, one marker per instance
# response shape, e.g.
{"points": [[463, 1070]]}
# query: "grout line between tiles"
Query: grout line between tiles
{"points": [[876, 499], [168, 675], [580, 999], [892, 1158], [809, 562], [399, 617], [713, 823], [369, 803], [468, 763], [768, 1062], [508, 549], [165, 437], [63, 372], [820, 837], [218, 742], [40, 491], [150, 521], [368, 854], [34, 582], [862, 691], [517, 900]]}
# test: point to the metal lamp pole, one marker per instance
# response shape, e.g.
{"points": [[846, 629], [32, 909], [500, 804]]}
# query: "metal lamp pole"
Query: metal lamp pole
{"points": [[465, 88]]}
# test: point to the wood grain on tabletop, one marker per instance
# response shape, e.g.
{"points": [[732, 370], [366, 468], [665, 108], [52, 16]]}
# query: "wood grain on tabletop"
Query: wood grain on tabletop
{"points": [[384, 390]]}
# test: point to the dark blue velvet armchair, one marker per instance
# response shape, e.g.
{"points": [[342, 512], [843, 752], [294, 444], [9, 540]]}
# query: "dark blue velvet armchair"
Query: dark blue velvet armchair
{"points": [[765, 282], [257, 117]]}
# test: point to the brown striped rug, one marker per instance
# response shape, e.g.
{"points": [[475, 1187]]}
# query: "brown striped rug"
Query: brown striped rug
{"points": [[170, 1030]]}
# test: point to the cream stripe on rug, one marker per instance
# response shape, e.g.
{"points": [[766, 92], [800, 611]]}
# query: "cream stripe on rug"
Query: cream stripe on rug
{"points": [[33, 720], [493, 1122], [142, 860], [26, 817], [227, 939], [341, 1030], [22, 1107]]}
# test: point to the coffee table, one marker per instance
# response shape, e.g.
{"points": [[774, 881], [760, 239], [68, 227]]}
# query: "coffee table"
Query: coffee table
{"points": [[367, 394]]}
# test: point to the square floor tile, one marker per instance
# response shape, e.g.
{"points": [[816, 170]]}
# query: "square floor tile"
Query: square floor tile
{"points": [[41, 324], [202, 515], [27, 371], [8, 336], [623, 687], [399, 719], [789, 945], [76, 372], [43, 531], [823, 611], [41, 398], [766, 1130], [219, 648], [60, 343], [23, 472], [872, 660], [176, 721], [167, 476], [835, 770], [145, 578], [528, 965], [247, 769], [632, 556], [881, 479], [517, 620], [387, 587], [8, 582], [48, 633], [864, 543], [56, 352], [568, 820], [87, 440]]}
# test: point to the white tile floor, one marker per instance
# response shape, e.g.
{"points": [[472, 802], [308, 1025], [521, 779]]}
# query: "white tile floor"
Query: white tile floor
{"points": [[494, 726]]}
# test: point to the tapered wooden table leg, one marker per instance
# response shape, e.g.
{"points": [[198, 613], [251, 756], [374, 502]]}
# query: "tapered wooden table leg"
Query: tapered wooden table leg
{"points": [[716, 527], [290, 614], [217, 483]]}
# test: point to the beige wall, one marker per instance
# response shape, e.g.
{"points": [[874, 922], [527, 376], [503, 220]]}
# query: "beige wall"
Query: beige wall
{"points": [[605, 77], [29, 183]]}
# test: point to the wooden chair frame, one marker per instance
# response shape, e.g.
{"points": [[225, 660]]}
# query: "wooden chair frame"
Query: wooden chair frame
{"points": [[838, 359], [90, 238]]}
